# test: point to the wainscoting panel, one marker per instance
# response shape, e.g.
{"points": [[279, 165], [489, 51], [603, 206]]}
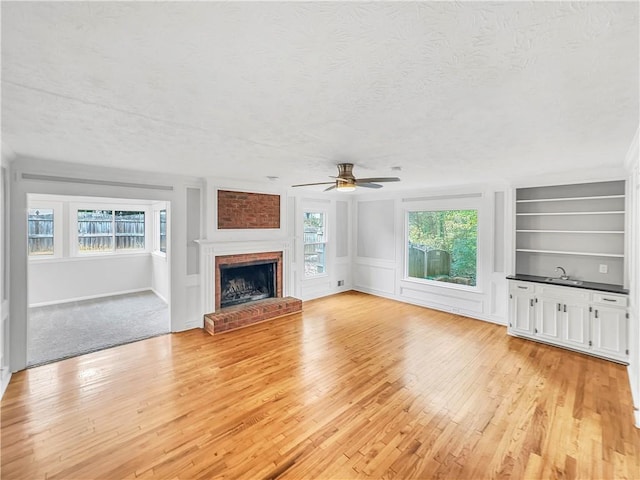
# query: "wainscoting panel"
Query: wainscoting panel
{"points": [[448, 301], [374, 278]]}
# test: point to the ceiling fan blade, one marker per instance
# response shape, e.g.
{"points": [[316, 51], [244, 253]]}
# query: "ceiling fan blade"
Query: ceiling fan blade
{"points": [[377, 179], [330, 188], [368, 185], [308, 184]]}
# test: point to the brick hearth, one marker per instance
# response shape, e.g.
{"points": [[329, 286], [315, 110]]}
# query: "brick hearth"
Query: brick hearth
{"points": [[238, 316]]}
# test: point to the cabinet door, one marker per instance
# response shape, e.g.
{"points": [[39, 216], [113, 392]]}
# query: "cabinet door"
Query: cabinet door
{"points": [[575, 328], [609, 326], [548, 319], [522, 320]]}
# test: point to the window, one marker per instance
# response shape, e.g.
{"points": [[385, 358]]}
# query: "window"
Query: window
{"points": [[315, 243], [105, 231], [442, 246], [40, 237], [129, 230], [163, 231]]}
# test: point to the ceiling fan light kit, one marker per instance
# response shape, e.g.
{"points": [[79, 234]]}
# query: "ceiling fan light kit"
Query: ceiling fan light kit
{"points": [[345, 187], [346, 182]]}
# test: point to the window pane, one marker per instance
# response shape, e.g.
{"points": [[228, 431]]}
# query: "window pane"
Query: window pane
{"points": [[314, 244], [40, 224], [163, 231], [129, 230], [95, 230], [443, 246]]}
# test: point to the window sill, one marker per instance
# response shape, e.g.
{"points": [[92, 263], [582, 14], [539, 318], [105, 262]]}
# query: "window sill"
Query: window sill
{"points": [[320, 275], [447, 285], [95, 256]]}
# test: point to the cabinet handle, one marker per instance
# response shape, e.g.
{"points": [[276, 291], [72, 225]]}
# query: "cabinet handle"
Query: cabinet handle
{"points": [[596, 312], [565, 308], [523, 288], [558, 307], [609, 299], [531, 302]]}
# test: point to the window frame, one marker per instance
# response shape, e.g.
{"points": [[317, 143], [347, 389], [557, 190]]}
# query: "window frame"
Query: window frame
{"points": [[74, 238], [56, 207], [442, 206], [156, 231], [325, 273]]}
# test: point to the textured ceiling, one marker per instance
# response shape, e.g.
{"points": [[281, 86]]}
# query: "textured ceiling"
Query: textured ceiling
{"points": [[452, 92]]}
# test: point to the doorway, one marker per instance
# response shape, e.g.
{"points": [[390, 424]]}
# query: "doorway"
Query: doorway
{"points": [[98, 274]]}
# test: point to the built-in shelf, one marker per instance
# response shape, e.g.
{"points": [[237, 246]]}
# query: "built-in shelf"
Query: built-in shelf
{"points": [[616, 212], [572, 225], [571, 231], [563, 199], [558, 252]]}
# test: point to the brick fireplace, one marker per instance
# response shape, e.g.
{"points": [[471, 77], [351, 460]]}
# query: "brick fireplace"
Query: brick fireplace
{"points": [[247, 262], [244, 283]]}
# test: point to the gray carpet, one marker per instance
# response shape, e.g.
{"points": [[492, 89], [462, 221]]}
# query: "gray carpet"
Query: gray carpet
{"points": [[71, 329]]}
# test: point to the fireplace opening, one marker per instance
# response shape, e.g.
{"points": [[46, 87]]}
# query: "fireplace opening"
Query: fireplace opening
{"points": [[246, 283]]}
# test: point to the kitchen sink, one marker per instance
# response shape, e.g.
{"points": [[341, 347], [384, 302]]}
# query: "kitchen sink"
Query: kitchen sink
{"points": [[563, 281]]}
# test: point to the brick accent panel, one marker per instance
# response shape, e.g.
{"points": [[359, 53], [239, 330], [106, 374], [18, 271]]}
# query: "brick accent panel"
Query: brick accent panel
{"points": [[246, 259], [240, 210], [238, 316]]}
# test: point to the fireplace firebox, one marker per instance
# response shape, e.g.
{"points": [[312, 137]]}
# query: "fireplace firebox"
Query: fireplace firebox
{"points": [[247, 283]]}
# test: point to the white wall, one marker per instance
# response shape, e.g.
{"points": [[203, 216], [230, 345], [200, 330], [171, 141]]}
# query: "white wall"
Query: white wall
{"points": [[160, 276], [96, 275], [379, 263], [71, 279], [38, 176]]}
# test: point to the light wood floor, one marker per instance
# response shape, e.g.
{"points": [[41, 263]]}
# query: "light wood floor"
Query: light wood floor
{"points": [[354, 387]]}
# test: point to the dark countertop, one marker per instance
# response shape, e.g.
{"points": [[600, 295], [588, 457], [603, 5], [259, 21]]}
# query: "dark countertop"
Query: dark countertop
{"points": [[602, 287]]}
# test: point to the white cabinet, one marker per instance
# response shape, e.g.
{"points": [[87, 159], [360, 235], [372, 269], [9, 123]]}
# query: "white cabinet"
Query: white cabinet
{"points": [[580, 319], [575, 328], [548, 318], [609, 324], [522, 319]]}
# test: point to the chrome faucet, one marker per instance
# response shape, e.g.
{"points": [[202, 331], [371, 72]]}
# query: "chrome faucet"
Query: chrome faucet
{"points": [[564, 275]]}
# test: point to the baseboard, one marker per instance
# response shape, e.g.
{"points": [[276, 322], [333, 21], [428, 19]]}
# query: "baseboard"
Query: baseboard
{"points": [[5, 373], [161, 297], [91, 297], [456, 311]]}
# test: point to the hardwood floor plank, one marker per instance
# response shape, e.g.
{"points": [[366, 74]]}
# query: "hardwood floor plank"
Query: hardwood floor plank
{"points": [[355, 386]]}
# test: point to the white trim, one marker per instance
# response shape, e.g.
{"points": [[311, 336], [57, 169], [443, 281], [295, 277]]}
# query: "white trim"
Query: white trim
{"points": [[58, 222], [452, 310], [73, 228], [161, 297], [91, 297], [94, 256], [326, 234], [5, 374]]}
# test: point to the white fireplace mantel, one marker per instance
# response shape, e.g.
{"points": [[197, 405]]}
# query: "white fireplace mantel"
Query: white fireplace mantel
{"points": [[210, 249]]}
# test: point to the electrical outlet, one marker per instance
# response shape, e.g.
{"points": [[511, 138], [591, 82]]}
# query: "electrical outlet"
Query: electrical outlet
{"points": [[604, 268], [340, 283]]}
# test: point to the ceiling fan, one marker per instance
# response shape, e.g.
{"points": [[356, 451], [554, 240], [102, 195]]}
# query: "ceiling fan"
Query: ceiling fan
{"points": [[346, 182]]}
